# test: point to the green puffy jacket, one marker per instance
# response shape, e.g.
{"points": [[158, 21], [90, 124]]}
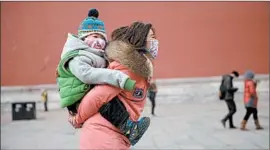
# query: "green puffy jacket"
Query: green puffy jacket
{"points": [[71, 89]]}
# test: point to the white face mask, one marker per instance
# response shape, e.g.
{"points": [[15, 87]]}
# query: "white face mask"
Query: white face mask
{"points": [[97, 43], [153, 49]]}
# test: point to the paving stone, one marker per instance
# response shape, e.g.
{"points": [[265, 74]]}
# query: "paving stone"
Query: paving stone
{"points": [[193, 125]]}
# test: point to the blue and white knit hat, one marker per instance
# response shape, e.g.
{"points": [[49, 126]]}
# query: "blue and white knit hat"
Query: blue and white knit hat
{"points": [[91, 25]]}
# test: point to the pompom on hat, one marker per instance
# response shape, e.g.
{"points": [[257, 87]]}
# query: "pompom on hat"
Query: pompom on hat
{"points": [[91, 25]]}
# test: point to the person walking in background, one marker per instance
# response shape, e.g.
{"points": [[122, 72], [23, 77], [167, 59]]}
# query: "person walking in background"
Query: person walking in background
{"points": [[229, 97], [152, 91], [44, 95], [250, 100]]}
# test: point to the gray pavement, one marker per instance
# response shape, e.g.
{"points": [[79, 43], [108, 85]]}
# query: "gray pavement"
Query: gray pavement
{"points": [[188, 125]]}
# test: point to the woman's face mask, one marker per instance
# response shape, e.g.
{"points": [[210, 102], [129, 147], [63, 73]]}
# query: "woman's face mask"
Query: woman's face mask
{"points": [[152, 47]]}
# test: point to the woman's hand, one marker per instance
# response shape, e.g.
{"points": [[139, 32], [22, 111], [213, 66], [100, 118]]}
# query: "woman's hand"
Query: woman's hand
{"points": [[72, 121]]}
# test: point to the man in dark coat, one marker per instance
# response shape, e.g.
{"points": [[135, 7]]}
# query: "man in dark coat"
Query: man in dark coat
{"points": [[229, 98]]}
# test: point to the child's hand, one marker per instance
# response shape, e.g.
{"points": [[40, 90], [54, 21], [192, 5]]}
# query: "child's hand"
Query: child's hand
{"points": [[72, 121]]}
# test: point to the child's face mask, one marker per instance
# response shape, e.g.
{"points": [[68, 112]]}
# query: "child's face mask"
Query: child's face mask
{"points": [[94, 41], [152, 47]]}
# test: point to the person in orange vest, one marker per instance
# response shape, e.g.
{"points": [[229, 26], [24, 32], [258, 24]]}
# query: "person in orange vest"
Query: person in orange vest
{"points": [[250, 100], [44, 96]]}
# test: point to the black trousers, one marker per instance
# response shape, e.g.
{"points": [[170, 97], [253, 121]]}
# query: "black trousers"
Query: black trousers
{"points": [[114, 111], [46, 106], [232, 110], [152, 97], [250, 111]]}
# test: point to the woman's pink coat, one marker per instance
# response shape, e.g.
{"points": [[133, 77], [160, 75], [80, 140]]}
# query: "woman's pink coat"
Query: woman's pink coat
{"points": [[97, 132]]}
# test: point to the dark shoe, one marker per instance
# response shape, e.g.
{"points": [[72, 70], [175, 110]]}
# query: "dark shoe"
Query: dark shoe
{"points": [[223, 123], [233, 127]]}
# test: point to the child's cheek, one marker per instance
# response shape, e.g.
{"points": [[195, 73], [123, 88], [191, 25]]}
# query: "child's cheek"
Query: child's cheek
{"points": [[88, 41]]}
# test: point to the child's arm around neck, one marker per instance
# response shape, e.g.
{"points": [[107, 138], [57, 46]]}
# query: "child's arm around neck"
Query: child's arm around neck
{"points": [[83, 68]]}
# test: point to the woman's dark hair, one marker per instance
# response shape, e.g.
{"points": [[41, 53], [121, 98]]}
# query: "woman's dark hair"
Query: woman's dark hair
{"points": [[118, 33], [136, 34]]}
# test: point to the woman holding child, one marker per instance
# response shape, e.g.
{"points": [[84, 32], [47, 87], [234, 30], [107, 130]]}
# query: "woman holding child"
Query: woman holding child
{"points": [[131, 51]]}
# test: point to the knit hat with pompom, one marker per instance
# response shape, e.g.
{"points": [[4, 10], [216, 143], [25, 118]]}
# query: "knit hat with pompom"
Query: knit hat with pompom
{"points": [[91, 25]]}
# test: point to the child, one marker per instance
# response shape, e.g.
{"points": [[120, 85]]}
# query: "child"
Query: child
{"points": [[250, 100], [83, 64]]}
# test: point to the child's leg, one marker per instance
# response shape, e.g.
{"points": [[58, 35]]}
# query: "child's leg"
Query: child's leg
{"points": [[116, 113], [134, 130], [92, 103]]}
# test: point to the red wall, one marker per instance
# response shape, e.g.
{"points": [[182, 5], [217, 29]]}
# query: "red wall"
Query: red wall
{"points": [[197, 39]]}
